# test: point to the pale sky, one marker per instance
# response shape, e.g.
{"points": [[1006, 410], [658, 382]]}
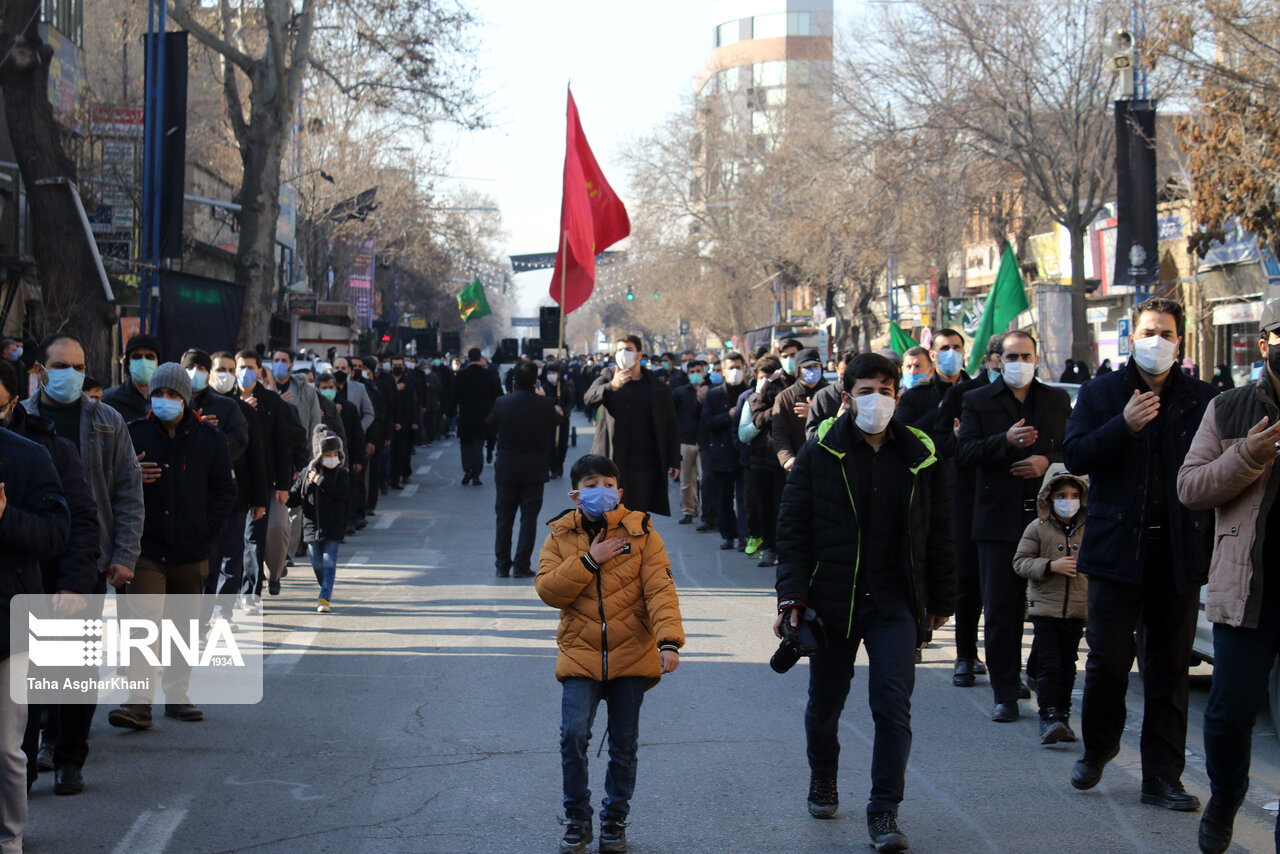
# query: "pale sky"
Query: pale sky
{"points": [[630, 65]]}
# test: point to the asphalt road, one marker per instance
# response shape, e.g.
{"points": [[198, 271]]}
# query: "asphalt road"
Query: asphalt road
{"points": [[422, 715]]}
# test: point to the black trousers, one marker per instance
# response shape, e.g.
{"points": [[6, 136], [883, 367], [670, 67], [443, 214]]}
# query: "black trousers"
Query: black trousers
{"points": [[968, 598], [374, 465], [707, 495], [1057, 646], [731, 494], [1004, 599], [768, 488], [401, 452], [527, 498], [1169, 620], [472, 449], [355, 495], [891, 653]]}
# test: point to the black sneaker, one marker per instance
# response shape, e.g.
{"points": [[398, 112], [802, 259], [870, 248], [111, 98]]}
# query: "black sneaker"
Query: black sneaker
{"points": [[1052, 729], [768, 558], [885, 835], [613, 837], [824, 800], [686, 519], [577, 833], [706, 528]]}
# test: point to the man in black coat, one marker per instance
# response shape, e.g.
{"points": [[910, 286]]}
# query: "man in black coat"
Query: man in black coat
{"points": [[864, 539], [34, 526], [187, 499], [689, 420], [405, 426], [1011, 430], [475, 389], [269, 534], [637, 428], [523, 423], [791, 408], [720, 422], [964, 480], [1146, 555], [141, 356], [921, 406]]}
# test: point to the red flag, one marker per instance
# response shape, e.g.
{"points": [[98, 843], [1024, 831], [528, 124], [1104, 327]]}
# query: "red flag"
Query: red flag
{"points": [[592, 218]]}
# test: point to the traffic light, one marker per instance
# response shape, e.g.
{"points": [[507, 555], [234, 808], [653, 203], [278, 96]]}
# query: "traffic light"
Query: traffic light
{"points": [[630, 295], [386, 339], [655, 295]]}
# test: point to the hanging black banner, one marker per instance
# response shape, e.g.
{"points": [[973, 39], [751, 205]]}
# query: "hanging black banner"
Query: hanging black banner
{"points": [[1137, 231], [196, 311]]}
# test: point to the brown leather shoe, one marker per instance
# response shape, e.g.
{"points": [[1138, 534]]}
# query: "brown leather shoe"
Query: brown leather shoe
{"points": [[183, 712], [131, 716]]}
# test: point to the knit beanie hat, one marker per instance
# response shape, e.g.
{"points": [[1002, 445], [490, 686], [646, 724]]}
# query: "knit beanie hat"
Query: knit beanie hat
{"points": [[172, 377]]}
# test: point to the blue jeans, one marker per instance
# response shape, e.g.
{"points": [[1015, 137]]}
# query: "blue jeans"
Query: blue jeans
{"points": [[324, 561], [1242, 660], [891, 650], [577, 712]]}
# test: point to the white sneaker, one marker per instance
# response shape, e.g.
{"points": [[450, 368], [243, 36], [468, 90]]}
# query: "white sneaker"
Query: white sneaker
{"points": [[322, 607], [254, 605]]}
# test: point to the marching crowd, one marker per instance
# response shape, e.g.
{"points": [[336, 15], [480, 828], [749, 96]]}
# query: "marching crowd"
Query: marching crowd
{"points": [[891, 495], [902, 495]]}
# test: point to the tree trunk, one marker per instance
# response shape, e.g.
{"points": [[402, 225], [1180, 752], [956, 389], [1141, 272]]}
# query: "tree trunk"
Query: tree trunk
{"points": [[259, 199], [1081, 331], [73, 296]]}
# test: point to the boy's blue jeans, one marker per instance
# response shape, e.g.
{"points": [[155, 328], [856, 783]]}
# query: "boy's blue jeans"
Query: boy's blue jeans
{"points": [[324, 561], [577, 711]]}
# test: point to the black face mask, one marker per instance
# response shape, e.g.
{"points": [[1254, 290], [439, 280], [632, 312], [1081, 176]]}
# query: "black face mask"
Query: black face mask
{"points": [[397, 371], [1273, 359], [340, 377]]}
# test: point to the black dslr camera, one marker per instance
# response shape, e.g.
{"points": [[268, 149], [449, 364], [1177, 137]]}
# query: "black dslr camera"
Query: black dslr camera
{"points": [[798, 641]]}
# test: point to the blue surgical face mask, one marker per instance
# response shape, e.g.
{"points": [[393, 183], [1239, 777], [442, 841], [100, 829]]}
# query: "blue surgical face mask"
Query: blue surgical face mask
{"points": [[142, 370], [435, 363], [329, 393], [64, 385], [644, 363], [716, 378], [597, 500], [695, 378], [911, 380], [992, 376], [17, 352], [199, 380], [1066, 508], [789, 364], [811, 376], [280, 370], [950, 362], [166, 409], [247, 378]]}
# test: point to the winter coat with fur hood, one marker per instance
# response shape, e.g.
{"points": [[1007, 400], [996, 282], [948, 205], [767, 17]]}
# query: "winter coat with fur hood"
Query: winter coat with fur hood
{"points": [[1047, 539], [613, 620]]}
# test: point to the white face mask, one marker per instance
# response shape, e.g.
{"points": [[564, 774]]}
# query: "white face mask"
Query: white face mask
{"points": [[1154, 355], [875, 411], [331, 462], [761, 384], [627, 359], [552, 377], [734, 376], [1018, 374], [1066, 507], [222, 381]]}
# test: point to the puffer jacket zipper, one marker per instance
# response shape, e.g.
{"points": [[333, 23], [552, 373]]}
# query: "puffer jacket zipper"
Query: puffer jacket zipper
{"points": [[604, 630]]}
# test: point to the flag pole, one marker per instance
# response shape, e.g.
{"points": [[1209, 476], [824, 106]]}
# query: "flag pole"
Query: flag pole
{"points": [[564, 274]]}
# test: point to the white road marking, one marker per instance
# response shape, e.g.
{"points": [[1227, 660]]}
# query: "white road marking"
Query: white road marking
{"points": [[409, 490], [152, 829], [356, 559], [282, 660], [434, 455], [423, 469], [385, 518]]}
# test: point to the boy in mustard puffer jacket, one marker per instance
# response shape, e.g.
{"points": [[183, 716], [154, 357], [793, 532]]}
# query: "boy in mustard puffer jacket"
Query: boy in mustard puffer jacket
{"points": [[608, 573], [1057, 596]]}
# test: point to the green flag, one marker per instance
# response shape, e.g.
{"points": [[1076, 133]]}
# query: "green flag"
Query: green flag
{"points": [[899, 340], [1007, 299], [471, 302]]}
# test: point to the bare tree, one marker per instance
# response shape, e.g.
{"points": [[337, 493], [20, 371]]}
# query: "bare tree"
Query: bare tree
{"points": [[407, 56], [74, 298], [1022, 84], [1231, 51]]}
